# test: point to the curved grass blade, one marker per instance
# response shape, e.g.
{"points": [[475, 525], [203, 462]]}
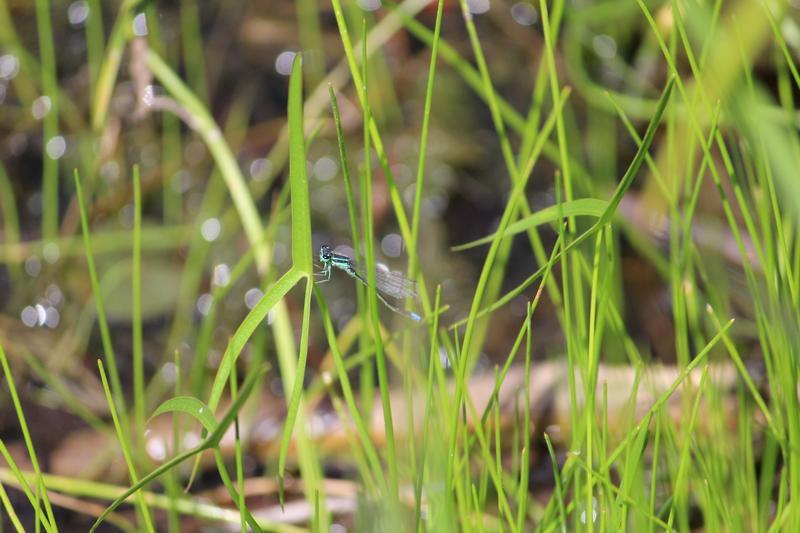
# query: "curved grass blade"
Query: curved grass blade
{"points": [[210, 441], [581, 207], [190, 405]]}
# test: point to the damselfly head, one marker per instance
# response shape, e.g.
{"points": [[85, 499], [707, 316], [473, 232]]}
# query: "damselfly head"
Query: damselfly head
{"points": [[325, 254]]}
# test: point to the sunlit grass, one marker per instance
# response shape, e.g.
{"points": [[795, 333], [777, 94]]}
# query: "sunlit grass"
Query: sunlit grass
{"points": [[705, 125]]}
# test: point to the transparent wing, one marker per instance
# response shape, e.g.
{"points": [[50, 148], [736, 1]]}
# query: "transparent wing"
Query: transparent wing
{"points": [[395, 284], [392, 283]]}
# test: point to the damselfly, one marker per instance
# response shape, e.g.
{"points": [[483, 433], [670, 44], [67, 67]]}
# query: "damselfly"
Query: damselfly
{"points": [[388, 283]]}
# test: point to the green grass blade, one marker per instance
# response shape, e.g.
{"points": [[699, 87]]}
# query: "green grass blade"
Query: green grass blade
{"points": [[301, 206], [44, 26], [413, 258], [10, 512], [582, 207], [210, 441], [102, 321], [368, 225], [293, 369], [191, 406], [246, 329], [23, 425], [143, 511], [136, 299], [107, 75]]}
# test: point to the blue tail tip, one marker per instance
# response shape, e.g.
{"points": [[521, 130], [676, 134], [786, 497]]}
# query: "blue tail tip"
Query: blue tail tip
{"points": [[414, 316]]}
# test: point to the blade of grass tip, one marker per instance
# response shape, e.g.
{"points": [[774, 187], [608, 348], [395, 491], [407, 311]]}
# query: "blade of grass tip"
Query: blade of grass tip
{"points": [[210, 441], [310, 30], [44, 27], [136, 299], [102, 322], [143, 511], [26, 435], [293, 367]]}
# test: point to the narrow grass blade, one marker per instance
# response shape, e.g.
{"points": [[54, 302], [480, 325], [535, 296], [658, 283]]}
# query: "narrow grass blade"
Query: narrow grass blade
{"points": [[107, 76], [144, 512], [10, 512], [23, 425], [582, 207], [44, 26], [102, 321], [136, 299]]}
